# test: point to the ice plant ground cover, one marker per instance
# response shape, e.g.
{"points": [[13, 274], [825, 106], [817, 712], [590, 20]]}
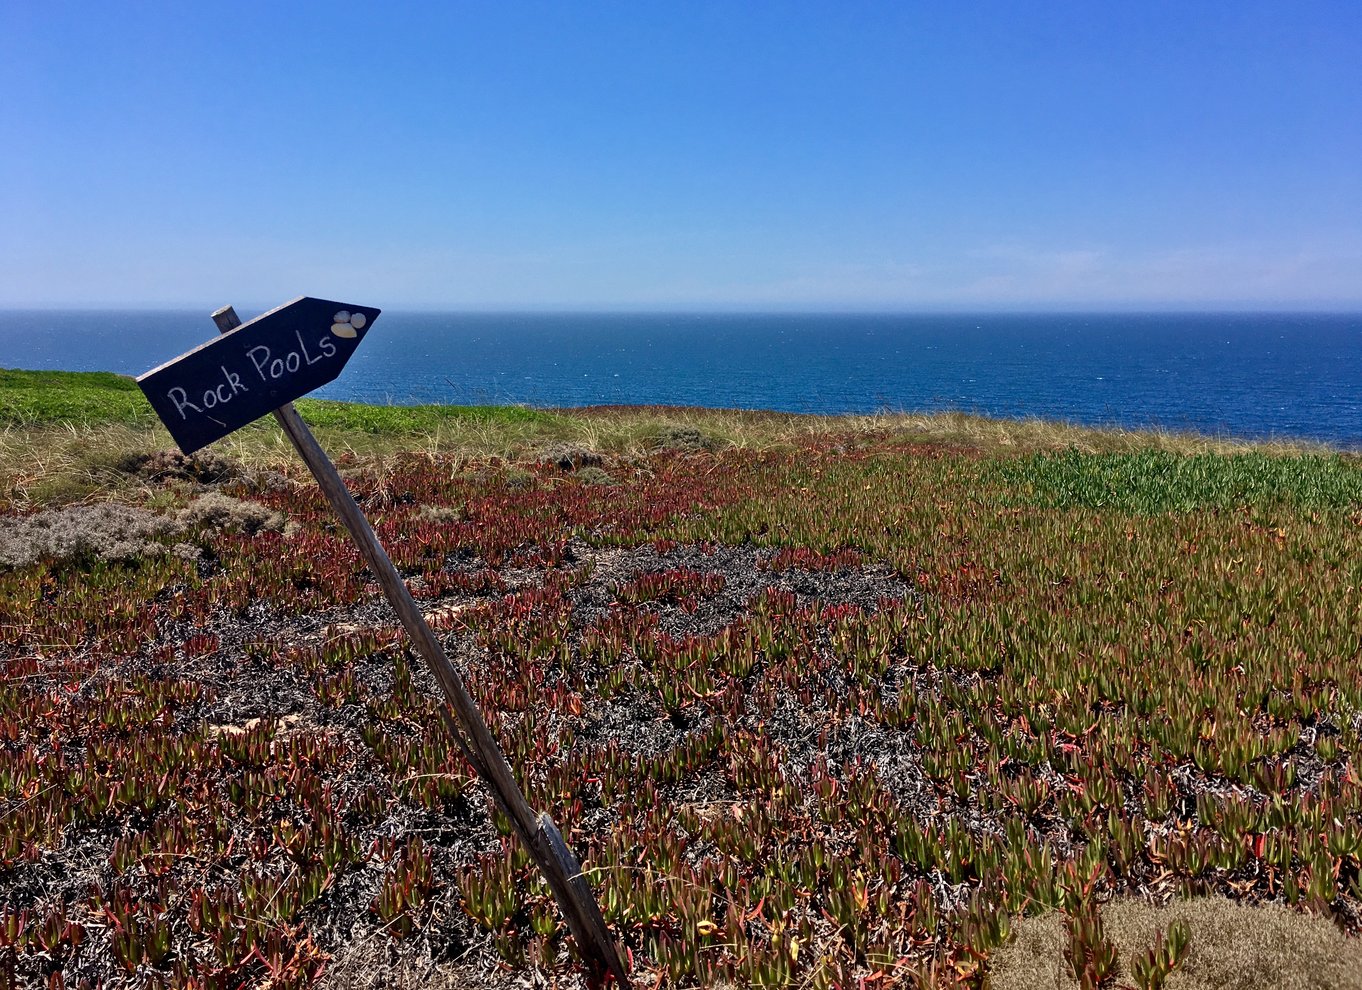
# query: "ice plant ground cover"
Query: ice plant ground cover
{"points": [[833, 711]]}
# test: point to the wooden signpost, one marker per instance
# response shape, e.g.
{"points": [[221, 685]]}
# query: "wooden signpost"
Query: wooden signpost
{"points": [[261, 367], [257, 367]]}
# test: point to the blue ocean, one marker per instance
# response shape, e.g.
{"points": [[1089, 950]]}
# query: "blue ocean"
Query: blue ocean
{"points": [[1253, 376]]}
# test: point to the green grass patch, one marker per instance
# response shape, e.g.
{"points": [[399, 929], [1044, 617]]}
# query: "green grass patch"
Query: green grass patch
{"points": [[1151, 481], [414, 419], [33, 398], [30, 398]]}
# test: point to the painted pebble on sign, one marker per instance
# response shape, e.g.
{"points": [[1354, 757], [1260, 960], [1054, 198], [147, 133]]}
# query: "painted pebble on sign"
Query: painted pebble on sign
{"points": [[344, 324]]}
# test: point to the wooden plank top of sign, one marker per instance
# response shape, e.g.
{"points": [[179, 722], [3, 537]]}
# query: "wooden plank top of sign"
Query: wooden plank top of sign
{"points": [[235, 379]]}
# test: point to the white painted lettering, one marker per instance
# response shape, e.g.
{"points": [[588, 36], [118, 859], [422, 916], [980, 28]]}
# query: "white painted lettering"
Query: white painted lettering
{"points": [[177, 395], [293, 361], [260, 357], [234, 380], [276, 368], [302, 348], [328, 348], [210, 399]]}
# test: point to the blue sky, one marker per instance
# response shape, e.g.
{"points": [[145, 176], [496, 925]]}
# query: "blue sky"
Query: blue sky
{"points": [[744, 155]]}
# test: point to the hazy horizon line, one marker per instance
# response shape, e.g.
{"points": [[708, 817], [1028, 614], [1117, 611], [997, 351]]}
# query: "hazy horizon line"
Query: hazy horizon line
{"points": [[1285, 308]]}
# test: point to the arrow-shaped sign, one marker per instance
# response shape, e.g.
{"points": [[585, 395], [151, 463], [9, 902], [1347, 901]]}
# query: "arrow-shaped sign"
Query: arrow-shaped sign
{"points": [[235, 379]]}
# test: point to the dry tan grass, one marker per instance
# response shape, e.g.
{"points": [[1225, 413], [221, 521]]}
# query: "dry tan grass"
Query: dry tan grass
{"points": [[1007, 435], [374, 964], [51, 464], [616, 428], [1233, 947]]}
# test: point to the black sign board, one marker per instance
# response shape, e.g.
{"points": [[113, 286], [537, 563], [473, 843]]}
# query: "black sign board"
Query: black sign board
{"points": [[206, 394]]}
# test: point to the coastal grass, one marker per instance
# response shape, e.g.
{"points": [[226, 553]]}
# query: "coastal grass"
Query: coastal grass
{"points": [[63, 435], [46, 398], [1233, 947], [1152, 481], [40, 398]]}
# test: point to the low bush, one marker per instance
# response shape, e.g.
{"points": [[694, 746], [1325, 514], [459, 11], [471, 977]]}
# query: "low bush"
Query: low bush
{"points": [[686, 439], [204, 467], [594, 476], [439, 514], [568, 457], [108, 531], [218, 511]]}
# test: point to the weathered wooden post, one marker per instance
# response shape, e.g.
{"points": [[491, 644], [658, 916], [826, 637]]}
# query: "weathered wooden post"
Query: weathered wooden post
{"points": [[262, 366]]}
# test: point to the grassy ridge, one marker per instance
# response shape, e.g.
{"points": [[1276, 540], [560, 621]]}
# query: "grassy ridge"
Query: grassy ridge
{"points": [[412, 419], [38, 398], [62, 435], [32, 398]]}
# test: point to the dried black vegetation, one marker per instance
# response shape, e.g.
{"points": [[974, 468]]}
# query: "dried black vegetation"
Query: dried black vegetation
{"points": [[203, 467], [568, 457]]}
